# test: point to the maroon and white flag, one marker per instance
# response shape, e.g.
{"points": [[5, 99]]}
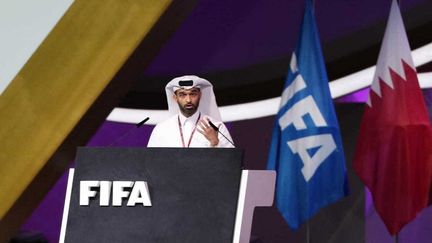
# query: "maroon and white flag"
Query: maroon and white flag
{"points": [[394, 149]]}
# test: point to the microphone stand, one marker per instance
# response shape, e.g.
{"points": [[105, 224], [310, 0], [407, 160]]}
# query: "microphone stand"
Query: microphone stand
{"points": [[217, 130]]}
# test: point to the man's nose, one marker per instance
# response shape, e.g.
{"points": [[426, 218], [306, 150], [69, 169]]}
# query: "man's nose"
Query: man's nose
{"points": [[188, 98]]}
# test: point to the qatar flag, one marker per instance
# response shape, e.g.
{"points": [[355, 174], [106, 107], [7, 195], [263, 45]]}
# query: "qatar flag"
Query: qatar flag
{"points": [[394, 149]]}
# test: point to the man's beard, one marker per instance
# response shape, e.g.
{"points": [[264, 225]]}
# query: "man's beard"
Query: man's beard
{"points": [[188, 111]]}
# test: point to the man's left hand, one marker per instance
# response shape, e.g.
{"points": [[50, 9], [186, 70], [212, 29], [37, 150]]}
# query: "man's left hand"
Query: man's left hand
{"points": [[205, 129]]}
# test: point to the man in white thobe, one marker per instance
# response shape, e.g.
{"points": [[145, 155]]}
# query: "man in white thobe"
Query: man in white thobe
{"points": [[192, 107]]}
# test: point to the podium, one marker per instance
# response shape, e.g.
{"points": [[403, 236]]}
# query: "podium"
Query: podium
{"points": [[195, 195]]}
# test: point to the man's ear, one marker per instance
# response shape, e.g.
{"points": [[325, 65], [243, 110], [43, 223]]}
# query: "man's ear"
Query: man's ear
{"points": [[174, 97]]}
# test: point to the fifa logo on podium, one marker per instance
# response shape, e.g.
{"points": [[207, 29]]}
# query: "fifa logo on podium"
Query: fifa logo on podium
{"points": [[136, 192]]}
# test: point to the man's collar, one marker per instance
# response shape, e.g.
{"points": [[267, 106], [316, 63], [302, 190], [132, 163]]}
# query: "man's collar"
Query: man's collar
{"points": [[192, 118]]}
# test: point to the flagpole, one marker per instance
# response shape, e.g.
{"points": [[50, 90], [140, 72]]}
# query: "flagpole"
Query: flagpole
{"points": [[308, 231]]}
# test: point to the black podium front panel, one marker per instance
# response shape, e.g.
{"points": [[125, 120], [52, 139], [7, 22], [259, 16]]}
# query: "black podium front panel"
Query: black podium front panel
{"points": [[193, 194]]}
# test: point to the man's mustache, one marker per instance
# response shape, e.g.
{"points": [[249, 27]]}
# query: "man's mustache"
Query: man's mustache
{"points": [[189, 104]]}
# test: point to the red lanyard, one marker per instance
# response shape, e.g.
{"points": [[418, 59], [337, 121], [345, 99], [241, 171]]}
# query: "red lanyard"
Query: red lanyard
{"points": [[193, 131]]}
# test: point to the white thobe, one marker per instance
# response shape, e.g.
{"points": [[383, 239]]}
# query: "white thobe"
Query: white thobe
{"points": [[168, 133]]}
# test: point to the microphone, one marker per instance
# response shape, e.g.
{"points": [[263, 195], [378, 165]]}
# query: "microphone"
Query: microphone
{"points": [[142, 122], [138, 125], [217, 130]]}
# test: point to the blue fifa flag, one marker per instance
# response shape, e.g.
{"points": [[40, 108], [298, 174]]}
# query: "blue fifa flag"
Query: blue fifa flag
{"points": [[306, 148]]}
